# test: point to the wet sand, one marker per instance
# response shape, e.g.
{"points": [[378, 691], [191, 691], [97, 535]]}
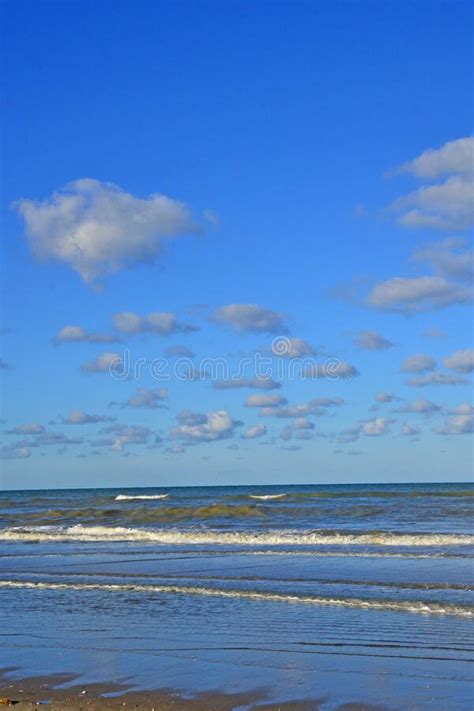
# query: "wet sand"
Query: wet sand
{"points": [[49, 691]]}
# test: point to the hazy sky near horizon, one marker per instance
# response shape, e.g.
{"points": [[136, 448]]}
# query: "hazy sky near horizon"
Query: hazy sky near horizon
{"points": [[237, 243]]}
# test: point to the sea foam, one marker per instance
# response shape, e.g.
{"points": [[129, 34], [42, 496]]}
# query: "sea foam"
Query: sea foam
{"points": [[234, 538], [368, 604]]}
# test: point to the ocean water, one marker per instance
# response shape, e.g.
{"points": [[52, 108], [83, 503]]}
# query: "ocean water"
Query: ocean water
{"points": [[342, 594]]}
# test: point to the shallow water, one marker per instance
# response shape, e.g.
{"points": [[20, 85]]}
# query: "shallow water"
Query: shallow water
{"points": [[347, 593]]}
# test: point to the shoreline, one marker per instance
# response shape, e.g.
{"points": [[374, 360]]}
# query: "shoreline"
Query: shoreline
{"points": [[37, 691]]}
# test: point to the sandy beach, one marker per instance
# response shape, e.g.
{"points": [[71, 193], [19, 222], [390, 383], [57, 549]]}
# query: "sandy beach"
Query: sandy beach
{"points": [[32, 692]]}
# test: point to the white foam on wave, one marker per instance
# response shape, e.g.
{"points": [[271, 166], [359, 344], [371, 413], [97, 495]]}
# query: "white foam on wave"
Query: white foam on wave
{"points": [[234, 538], [267, 497], [126, 497], [371, 604]]}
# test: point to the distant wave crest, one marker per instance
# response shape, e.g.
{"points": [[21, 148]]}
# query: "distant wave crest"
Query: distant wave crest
{"points": [[126, 497]]}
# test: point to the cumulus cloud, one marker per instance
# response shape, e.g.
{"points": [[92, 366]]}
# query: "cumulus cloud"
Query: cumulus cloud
{"points": [[255, 431], [250, 318], [312, 407], [453, 157], [13, 451], [437, 379], [292, 348], [451, 258], [149, 399], [408, 295], [48, 438], [448, 204], [29, 428], [160, 323], [190, 418], [265, 400], [122, 435], [377, 427], [97, 228], [79, 417], [445, 206], [418, 363], [257, 383], [461, 361], [383, 397], [218, 425], [419, 407], [78, 334], [331, 369], [410, 430], [104, 363], [372, 341], [459, 421]]}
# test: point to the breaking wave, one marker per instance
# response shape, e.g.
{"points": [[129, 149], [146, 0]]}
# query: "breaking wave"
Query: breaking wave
{"points": [[246, 538], [126, 497], [415, 606]]}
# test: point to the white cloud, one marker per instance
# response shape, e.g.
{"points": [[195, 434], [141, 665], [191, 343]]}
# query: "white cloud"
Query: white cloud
{"points": [[13, 451], [265, 400], [377, 427], [257, 383], [30, 428], [448, 204], [159, 322], [255, 431], [461, 361], [77, 334], [292, 348], [385, 397], [79, 417], [148, 399], [372, 341], [218, 425], [453, 157], [123, 435], [419, 407], [418, 363], [424, 293], [449, 257], [463, 409], [302, 423], [331, 369], [104, 363], [437, 379], [48, 438], [245, 318], [188, 417], [460, 422], [97, 228], [313, 407], [410, 430]]}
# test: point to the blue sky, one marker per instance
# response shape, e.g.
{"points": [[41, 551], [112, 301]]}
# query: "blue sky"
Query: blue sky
{"points": [[242, 172]]}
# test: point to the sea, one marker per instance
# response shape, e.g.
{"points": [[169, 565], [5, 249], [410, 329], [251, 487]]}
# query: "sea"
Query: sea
{"points": [[348, 594]]}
